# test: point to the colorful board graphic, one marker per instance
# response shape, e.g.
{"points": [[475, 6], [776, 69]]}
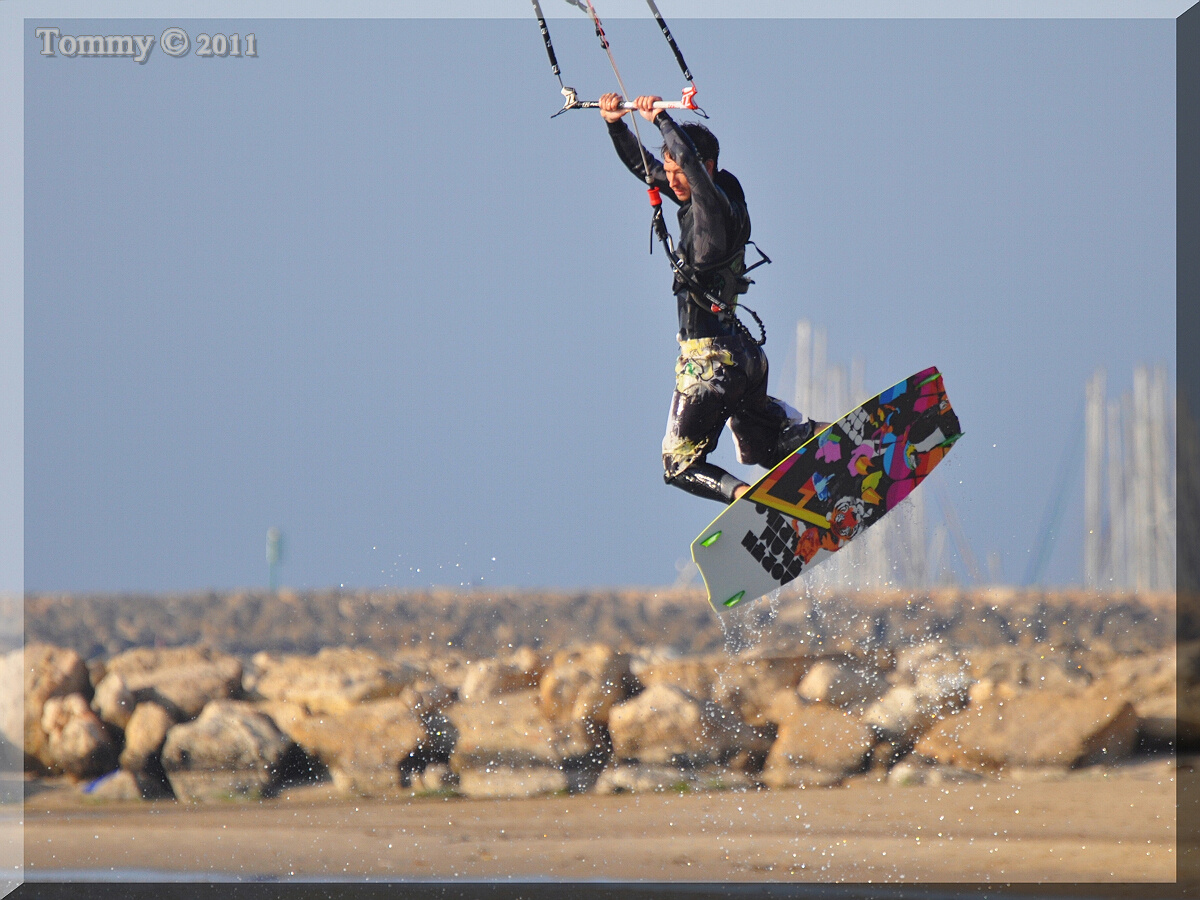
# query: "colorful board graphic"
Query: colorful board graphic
{"points": [[815, 501]]}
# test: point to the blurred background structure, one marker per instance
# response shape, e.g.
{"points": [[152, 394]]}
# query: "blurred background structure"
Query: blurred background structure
{"points": [[1129, 484]]}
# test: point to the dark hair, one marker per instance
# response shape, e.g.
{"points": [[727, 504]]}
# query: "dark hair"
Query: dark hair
{"points": [[705, 142]]}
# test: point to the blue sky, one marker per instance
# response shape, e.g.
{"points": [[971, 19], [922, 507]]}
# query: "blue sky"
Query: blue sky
{"points": [[364, 289]]}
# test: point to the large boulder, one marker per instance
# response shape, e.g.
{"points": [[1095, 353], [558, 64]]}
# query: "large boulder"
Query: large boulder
{"points": [[145, 734], [335, 680], [116, 786], [45, 671], [369, 749], [749, 685], [745, 684], [232, 750], [505, 730], [643, 779], [505, 747], [666, 725], [77, 742], [585, 683], [113, 702], [1149, 683], [841, 683], [697, 676], [816, 743], [937, 675], [928, 684], [509, 783], [1035, 729], [183, 680], [903, 714], [518, 671]]}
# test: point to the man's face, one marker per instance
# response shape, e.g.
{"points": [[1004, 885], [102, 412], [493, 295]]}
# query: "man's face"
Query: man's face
{"points": [[677, 180]]}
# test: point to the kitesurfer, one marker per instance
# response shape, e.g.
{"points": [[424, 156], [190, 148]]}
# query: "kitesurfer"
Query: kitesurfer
{"points": [[721, 373]]}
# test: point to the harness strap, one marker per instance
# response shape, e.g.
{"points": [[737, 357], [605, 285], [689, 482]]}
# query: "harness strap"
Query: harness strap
{"points": [[715, 304]]}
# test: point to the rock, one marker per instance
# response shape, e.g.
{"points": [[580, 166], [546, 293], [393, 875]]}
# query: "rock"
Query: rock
{"points": [[939, 677], [231, 750], [886, 754], [354, 780], [97, 669], [662, 725], [643, 658], [750, 685], [1149, 683], [745, 684], [643, 779], [507, 783], [113, 702], [121, 785], [1025, 668], [901, 715], [77, 742], [437, 778], [145, 734], [987, 691], [426, 696], [666, 725], [718, 778], [696, 676], [799, 775], [368, 749], [1035, 729], [907, 773], [12, 703], [448, 670], [335, 680], [911, 772], [505, 731], [584, 748], [115, 786], [841, 684], [519, 671], [585, 683], [816, 743], [183, 680], [909, 709], [45, 671]]}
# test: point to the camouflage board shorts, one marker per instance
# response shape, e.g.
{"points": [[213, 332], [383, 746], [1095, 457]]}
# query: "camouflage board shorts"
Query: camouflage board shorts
{"points": [[719, 380]]}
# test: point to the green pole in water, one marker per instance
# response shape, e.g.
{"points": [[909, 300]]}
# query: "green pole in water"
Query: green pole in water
{"points": [[274, 556]]}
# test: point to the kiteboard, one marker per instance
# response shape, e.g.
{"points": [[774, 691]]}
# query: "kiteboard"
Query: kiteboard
{"points": [[839, 483]]}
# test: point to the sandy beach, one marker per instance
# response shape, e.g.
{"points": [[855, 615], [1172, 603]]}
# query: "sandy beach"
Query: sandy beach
{"points": [[1109, 824]]}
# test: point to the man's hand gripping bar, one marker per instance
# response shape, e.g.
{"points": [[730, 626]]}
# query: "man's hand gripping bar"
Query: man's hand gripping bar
{"points": [[688, 101]]}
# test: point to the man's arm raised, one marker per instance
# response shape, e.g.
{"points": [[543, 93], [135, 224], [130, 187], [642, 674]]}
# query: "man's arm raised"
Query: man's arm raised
{"points": [[626, 143]]}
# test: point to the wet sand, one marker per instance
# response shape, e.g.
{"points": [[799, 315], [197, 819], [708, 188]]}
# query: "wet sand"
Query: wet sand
{"points": [[1113, 824]]}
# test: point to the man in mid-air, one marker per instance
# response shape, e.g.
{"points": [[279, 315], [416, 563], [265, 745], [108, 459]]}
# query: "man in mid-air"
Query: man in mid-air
{"points": [[721, 373]]}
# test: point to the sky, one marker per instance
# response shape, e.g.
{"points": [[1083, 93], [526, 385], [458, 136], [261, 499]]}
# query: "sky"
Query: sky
{"points": [[364, 289]]}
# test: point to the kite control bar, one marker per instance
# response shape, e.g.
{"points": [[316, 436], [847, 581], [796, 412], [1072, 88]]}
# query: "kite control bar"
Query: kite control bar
{"points": [[688, 101]]}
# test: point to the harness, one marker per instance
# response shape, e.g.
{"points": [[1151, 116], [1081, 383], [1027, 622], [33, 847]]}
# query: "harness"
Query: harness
{"points": [[715, 288]]}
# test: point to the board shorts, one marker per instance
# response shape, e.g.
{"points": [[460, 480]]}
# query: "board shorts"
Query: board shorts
{"points": [[720, 380]]}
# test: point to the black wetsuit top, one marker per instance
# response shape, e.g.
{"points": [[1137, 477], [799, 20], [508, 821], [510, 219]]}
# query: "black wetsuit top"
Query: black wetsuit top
{"points": [[714, 224]]}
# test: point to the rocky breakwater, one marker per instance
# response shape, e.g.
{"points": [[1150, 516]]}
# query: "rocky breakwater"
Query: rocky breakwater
{"points": [[196, 724]]}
